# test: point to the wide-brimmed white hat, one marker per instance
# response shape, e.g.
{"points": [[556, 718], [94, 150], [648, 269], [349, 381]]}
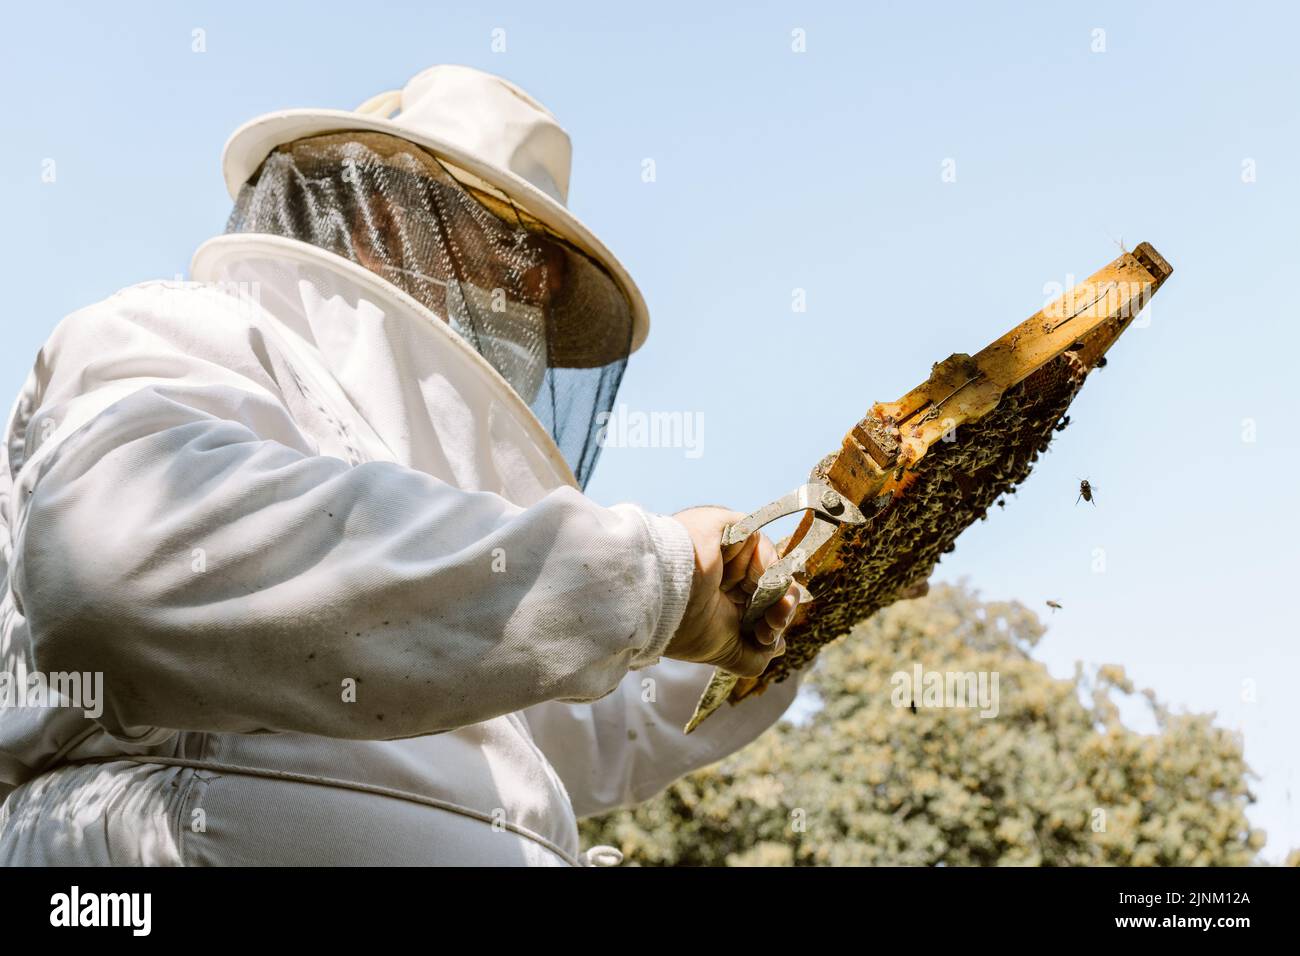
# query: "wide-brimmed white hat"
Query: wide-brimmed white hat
{"points": [[486, 127]]}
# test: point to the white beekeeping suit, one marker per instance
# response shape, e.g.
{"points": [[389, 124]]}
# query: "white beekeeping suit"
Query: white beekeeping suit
{"points": [[314, 518]]}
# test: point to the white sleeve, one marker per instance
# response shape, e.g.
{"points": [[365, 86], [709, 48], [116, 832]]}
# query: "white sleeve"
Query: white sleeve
{"points": [[625, 748], [224, 581]]}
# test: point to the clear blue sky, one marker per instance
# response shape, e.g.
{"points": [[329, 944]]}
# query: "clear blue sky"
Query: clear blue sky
{"points": [[819, 171]]}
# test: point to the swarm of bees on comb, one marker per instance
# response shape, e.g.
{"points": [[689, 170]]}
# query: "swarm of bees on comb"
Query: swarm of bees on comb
{"points": [[925, 468], [953, 486]]}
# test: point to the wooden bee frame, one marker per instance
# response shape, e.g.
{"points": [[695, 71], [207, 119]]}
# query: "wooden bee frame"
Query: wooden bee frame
{"points": [[925, 467]]}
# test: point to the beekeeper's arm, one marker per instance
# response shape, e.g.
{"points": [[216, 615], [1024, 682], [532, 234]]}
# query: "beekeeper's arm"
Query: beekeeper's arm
{"points": [[188, 543], [625, 748]]}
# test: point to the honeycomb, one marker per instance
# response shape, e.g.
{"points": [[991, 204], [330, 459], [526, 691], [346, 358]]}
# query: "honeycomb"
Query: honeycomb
{"points": [[922, 486], [950, 488]]}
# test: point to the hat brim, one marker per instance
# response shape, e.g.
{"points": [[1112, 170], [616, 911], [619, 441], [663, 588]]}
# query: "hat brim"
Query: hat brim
{"points": [[249, 145]]}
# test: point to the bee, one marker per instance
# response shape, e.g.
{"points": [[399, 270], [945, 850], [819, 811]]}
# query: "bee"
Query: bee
{"points": [[1001, 503], [1085, 492], [1101, 362], [1054, 605], [914, 705], [1063, 424]]}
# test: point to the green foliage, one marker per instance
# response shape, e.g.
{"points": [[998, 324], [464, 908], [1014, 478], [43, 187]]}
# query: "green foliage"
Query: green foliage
{"points": [[1055, 779]]}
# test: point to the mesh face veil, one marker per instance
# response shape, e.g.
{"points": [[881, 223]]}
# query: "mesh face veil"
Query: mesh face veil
{"points": [[545, 315]]}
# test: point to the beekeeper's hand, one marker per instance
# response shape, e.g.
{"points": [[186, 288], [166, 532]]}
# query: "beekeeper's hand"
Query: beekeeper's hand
{"points": [[724, 579]]}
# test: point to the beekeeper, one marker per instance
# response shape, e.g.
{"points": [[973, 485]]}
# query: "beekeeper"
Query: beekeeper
{"points": [[316, 519]]}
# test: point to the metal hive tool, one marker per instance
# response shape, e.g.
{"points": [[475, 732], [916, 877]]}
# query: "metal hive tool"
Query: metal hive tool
{"points": [[923, 468]]}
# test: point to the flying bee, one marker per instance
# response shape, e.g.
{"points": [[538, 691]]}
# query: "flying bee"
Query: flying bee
{"points": [[1054, 605], [1063, 424], [1085, 492], [914, 705], [1101, 362]]}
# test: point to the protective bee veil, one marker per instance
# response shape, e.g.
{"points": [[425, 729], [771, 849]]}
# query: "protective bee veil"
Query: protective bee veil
{"points": [[540, 311]]}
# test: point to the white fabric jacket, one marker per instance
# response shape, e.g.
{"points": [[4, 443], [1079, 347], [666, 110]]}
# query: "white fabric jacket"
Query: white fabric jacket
{"points": [[347, 604]]}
